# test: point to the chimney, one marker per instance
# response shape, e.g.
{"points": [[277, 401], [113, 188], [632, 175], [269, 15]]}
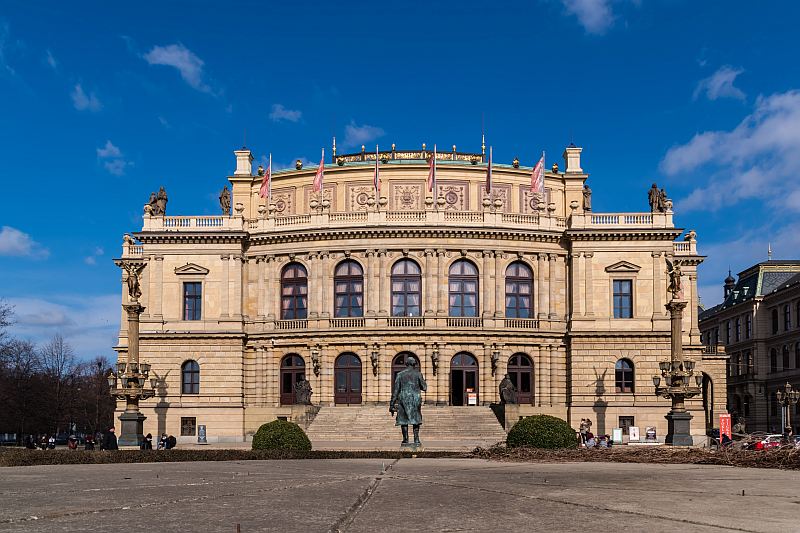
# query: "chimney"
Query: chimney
{"points": [[572, 159], [244, 162]]}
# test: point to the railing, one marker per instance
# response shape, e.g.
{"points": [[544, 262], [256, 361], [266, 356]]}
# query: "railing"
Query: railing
{"points": [[685, 247], [522, 323], [525, 220], [464, 322], [406, 216], [463, 216], [714, 349], [132, 250], [349, 217], [194, 222], [292, 220], [406, 322], [626, 219], [347, 322], [291, 324]]}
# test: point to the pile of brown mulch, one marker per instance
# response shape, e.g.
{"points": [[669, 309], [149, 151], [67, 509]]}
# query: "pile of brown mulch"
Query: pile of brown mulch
{"points": [[786, 457]]}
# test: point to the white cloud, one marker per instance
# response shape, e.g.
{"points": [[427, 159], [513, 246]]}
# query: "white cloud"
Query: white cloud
{"points": [[50, 60], [720, 85], [279, 113], [595, 16], [114, 161], [164, 122], [355, 135], [178, 56], [758, 159], [14, 242], [5, 45], [90, 324], [84, 102], [91, 260]]}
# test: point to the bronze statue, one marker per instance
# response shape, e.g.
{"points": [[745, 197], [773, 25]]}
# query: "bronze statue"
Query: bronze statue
{"points": [[134, 287], [225, 201], [674, 273], [302, 391], [161, 202], [407, 400], [508, 391], [587, 198]]}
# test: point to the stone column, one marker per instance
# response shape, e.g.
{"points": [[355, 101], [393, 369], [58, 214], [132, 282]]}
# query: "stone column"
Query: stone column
{"points": [[261, 269], [429, 288], [694, 331], [385, 278], [544, 290], [314, 282], [274, 295], [259, 377], [551, 313], [657, 288], [224, 308], [371, 282], [589, 283], [580, 286], [486, 280], [235, 284], [500, 285], [132, 420], [325, 286], [442, 284], [272, 363]]}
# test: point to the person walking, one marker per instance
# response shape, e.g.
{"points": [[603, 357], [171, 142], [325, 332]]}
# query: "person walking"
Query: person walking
{"points": [[110, 440]]}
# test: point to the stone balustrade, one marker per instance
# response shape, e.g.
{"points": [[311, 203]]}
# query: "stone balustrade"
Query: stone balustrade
{"points": [[621, 220]]}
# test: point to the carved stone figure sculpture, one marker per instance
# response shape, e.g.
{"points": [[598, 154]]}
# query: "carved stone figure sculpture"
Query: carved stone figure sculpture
{"points": [[587, 198], [302, 391], [407, 400], [161, 202], [662, 201], [674, 272], [652, 198], [152, 205], [508, 391], [225, 201], [134, 286]]}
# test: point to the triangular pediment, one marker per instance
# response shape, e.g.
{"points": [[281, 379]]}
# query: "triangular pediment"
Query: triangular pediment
{"points": [[623, 266], [191, 268]]}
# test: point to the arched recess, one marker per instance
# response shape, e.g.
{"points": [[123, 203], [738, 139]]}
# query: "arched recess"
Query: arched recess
{"points": [[464, 379], [293, 369], [399, 364], [347, 379], [520, 371]]}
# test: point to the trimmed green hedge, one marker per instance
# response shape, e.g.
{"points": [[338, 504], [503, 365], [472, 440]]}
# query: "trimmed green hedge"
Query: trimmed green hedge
{"points": [[281, 435], [542, 431]]}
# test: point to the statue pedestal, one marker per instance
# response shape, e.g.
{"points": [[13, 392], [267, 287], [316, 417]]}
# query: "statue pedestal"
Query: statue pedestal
{"points": [[132, 432], [411, 447], [679, 429]]}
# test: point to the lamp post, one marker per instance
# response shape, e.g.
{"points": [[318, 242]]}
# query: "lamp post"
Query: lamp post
{"points": [[677, 375], [787, 398], [130, 381]]}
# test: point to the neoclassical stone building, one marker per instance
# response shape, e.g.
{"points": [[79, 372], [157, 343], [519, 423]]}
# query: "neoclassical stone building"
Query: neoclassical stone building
{"points": [[342, 286]]}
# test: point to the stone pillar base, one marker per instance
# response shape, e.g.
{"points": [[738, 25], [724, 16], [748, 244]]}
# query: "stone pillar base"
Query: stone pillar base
{"points": [[679, 427], [132, 431]]}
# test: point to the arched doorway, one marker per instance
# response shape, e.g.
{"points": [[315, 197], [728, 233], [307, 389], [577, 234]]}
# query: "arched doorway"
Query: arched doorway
{"points": [[463, 379], [399, 364], [347, 379], [520, 371], [293, 368], [708, 400]]}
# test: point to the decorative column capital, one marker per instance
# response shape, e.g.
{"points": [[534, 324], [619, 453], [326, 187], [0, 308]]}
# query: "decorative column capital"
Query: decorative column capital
{"points": [[134, 309], [542, 256]]}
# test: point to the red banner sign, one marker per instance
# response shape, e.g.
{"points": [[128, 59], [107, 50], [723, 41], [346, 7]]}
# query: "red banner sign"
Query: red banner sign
{"points": [[725, 426]]}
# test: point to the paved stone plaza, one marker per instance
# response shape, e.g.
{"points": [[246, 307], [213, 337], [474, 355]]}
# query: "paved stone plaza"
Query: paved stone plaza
{"points": [[434, 494]]}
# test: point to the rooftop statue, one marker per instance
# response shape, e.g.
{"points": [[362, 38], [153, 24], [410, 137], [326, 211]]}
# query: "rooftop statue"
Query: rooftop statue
{"points": [[587, 198], [674, 272], [162, 202], [657, 199], [225, 201], [407, 400], [134, 286]]}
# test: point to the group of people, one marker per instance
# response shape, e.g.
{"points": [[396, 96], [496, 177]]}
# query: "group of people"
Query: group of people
{"points": [[106, 441], [588, 439], [166, 442]]}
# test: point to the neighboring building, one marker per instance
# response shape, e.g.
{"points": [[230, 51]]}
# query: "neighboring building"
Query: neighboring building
{"points": [[344, 287], [758, 323]]}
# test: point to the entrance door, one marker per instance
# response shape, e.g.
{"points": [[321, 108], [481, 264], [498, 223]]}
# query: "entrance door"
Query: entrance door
{"points": [[520, 371], [399, 364], [464, 380], [292, 370], [347, 379]]}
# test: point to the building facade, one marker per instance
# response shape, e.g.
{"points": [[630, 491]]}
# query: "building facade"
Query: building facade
{"points": [[341, 285], [758, 325]]}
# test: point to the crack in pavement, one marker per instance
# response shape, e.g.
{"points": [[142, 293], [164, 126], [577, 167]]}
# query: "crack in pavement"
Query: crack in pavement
{"points": [[344, 521]]}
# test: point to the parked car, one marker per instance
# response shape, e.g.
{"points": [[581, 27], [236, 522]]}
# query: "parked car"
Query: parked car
{"points": [[774, 440]]}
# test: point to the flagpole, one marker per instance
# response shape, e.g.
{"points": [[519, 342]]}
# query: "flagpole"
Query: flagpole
{"points": [[269, 183]]}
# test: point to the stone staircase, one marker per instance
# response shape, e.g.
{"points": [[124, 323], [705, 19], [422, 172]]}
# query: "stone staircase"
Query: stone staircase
{"points": [[473, 426]]}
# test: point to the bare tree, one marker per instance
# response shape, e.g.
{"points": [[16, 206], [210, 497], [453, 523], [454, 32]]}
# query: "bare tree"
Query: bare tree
{"points": [[58, 364], [18, 386], [6, 319]]}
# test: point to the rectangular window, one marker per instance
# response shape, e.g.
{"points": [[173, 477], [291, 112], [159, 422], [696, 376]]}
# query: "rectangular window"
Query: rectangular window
{"points": [[192, 300], [188, 426], [625, 422], [623, 298], [727, 332], [748, 330], [738, 329]]}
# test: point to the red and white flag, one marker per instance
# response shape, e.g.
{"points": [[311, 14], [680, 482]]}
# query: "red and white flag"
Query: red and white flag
{"points": [[266, 183], [537, 177], [489, 173], [320, 175], [376, 179], [432, 173]]}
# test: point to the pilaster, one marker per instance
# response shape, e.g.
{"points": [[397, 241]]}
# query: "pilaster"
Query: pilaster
{"points": [[544, 289], [589, 298], [551, 308]]}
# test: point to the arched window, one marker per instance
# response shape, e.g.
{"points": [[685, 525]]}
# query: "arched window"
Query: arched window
{"points": [[774, 321], [519, 290], [190, 378], [773, 360], [623, 375], [293, 369], [463, 284], [787, 318], [406, 288], [520, 371], [348, 281], [294, 292], [785, 357]]}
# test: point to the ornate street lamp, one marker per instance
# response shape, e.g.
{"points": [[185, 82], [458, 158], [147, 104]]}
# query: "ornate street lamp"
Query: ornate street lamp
{"points": [[677, 373], [787, 398], [128, 382]]}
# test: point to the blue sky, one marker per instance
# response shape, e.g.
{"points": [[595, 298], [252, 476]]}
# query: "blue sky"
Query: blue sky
{"points": [[101, 104]]}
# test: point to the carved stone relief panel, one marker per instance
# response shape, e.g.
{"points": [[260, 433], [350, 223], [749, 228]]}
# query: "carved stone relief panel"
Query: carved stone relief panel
{"points": [[358, 194], [529, 200], [328, 191], [502, 191], [456, 195], [406, 196], [283, 200]]}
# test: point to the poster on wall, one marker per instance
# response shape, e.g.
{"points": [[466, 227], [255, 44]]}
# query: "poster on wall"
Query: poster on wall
{"points": [[616, 435], [725, 426], [633, 434], [650, 434]]}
